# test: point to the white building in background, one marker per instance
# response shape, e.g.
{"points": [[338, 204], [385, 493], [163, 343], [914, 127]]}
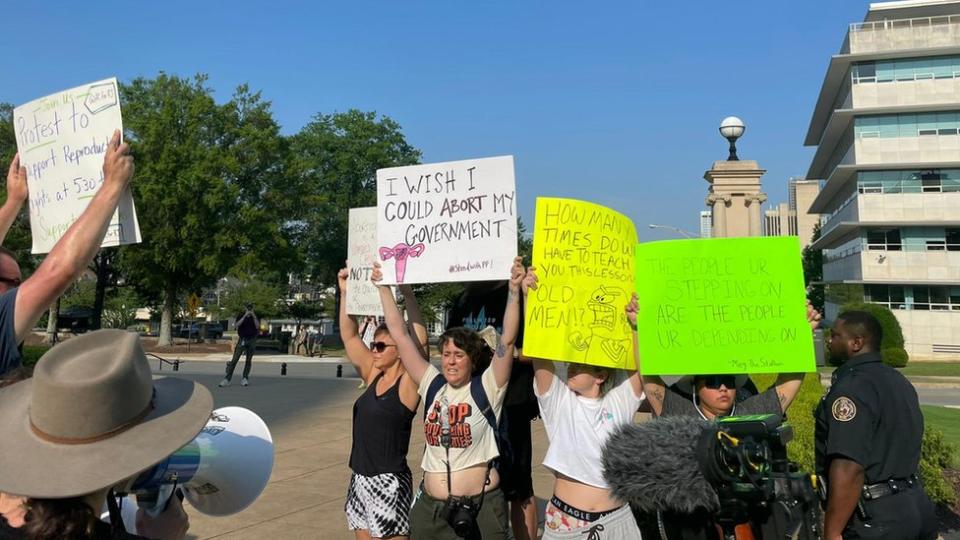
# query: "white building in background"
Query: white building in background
{"points": [[791, 218], [706, 224], [887, 131]]}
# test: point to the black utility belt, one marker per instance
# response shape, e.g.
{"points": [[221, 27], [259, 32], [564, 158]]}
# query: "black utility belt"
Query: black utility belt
{"points": [[872, 492]]}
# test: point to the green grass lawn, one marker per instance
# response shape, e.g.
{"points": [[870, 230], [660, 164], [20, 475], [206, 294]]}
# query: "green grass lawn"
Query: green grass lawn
{"points": [[948, 421], [921, 369], [933, 369]]}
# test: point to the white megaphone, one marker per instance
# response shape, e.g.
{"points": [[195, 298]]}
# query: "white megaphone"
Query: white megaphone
{"points": [[221, 472]]}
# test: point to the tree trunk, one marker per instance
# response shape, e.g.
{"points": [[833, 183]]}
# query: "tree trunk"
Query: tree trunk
{"points": [[337, 298], [54, 313], [103, 274], [166, 318]]}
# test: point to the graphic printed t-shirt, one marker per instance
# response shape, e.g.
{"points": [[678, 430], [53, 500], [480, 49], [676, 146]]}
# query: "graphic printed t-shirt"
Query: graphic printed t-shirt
{"points": [[577, 428], [472, 439]]}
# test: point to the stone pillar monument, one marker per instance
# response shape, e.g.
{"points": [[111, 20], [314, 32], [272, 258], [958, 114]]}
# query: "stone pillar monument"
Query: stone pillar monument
{"points": [[735, 196]]}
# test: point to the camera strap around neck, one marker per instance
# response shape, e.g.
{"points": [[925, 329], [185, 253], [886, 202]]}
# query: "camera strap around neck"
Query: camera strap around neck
{"points": [[486, 480]]}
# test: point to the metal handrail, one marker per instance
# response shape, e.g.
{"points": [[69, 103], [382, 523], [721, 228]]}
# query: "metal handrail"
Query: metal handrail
{"points": [[175, 363], [900, 23]]}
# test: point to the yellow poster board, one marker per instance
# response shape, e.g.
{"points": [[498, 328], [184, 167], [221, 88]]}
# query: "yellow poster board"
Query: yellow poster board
{"points": [[584, 255]]}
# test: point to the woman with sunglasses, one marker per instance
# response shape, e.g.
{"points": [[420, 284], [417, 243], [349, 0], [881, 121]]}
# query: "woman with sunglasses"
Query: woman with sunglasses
{"points": [[381, 488], [461, 487]]}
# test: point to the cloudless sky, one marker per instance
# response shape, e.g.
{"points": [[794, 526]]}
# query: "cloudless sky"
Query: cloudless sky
{"points": [[616, 103]]}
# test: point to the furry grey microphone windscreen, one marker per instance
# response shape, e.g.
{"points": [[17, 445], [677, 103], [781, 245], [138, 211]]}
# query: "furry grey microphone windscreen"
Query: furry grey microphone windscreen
{"points": [[653, 466]]}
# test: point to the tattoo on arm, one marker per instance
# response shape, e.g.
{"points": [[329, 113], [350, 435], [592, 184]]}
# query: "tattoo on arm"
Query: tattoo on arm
{"points": [[512, 297], [783, 400], [657, 395], [501, 348]]}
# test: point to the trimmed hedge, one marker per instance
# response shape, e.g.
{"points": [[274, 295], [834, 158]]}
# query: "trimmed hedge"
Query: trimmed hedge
{"points": [[895, 357], [936, 454], [800, 417]]}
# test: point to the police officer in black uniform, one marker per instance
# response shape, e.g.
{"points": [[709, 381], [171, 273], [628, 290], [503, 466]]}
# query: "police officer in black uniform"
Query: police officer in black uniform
{"points": [[868, 433]]}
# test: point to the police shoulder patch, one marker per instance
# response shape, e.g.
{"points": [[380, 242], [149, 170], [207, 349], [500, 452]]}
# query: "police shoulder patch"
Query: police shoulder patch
{"points": [[843, 409]]}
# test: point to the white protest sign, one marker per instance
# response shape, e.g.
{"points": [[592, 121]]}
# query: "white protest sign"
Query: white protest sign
{"points": [[362, 296], [453, 221], [62, 139]]}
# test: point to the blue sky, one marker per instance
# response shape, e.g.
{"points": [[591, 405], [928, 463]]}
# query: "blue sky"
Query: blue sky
{"points": [[617, 103]]}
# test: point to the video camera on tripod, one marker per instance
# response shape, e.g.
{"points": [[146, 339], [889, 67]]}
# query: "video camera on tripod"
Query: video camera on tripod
{"points": [[735, 470]]}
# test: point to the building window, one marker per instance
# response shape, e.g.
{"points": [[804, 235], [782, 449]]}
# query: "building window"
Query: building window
{"points": [[905, 69], [952, 237], [929, 181], [891, 296], [936, 298], [924, 298], [907, 125], [884, 240]]}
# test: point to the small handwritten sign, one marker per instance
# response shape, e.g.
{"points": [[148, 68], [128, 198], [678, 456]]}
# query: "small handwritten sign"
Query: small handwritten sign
{"points": [[62, 139], [453, 221], [723, 305], [584, 254], [362, 296]]}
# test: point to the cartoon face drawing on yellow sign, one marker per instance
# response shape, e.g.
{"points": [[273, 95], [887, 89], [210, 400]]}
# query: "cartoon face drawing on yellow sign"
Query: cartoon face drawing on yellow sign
{"points": [[603, 304]]}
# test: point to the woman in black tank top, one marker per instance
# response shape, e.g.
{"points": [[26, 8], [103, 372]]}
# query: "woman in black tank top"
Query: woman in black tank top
{"points": [[380, 494]]}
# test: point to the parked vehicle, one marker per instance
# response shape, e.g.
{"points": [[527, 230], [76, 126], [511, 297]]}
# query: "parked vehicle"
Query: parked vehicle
{"points": [[196, 330], [75, 319]]}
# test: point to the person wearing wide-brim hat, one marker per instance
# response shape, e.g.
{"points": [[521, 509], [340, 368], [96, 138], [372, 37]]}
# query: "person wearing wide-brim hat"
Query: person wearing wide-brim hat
{"points": [[91, 417]]}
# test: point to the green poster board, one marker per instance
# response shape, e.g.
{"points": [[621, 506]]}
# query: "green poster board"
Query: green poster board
{"points": [[723, 305]]}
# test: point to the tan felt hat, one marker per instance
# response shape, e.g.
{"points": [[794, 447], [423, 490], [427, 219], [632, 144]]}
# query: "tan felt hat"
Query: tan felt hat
{"points": [[92, 416]]}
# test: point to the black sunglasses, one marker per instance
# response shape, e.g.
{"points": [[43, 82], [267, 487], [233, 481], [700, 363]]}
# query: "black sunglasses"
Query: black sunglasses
{"points": [[379, 346], [13, 282], [714, 382]]}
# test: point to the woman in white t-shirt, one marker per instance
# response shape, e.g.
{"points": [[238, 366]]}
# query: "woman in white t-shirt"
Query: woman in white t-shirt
{"points": [[461, 495], [579, 416]]}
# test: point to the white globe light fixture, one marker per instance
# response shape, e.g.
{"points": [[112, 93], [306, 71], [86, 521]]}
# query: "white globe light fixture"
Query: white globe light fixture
{"points": [[732, 128]]}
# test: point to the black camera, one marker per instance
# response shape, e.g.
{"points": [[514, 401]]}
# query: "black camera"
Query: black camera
{"points": [[745, 460], [461, 515]]}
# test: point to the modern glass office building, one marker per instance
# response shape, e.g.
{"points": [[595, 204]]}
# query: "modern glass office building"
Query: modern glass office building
{"points": [[887, 131]]}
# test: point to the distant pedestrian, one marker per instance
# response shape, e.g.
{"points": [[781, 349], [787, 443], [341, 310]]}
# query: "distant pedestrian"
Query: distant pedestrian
{"points": [[248, 327]]}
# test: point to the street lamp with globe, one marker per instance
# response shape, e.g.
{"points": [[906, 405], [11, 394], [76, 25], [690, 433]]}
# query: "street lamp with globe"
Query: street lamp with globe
{"points": [[732, 128]]}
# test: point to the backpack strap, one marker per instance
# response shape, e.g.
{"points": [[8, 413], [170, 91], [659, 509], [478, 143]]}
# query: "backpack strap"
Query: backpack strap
{"points": [[480, 398], [435, 385]]}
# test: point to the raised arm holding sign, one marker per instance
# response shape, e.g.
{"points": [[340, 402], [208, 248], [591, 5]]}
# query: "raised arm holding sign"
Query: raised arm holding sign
{"points": [[21, 307], [61, 142]]}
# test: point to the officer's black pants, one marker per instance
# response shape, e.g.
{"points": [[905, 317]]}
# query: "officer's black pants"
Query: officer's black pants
{"points": [[908, 515]]}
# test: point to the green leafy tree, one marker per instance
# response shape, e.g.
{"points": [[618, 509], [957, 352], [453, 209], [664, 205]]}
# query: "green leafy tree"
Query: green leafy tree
{"points": [[335, 159], [208, 188], [303, 310], [266, 297], [813, 271], [18, 238]]}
